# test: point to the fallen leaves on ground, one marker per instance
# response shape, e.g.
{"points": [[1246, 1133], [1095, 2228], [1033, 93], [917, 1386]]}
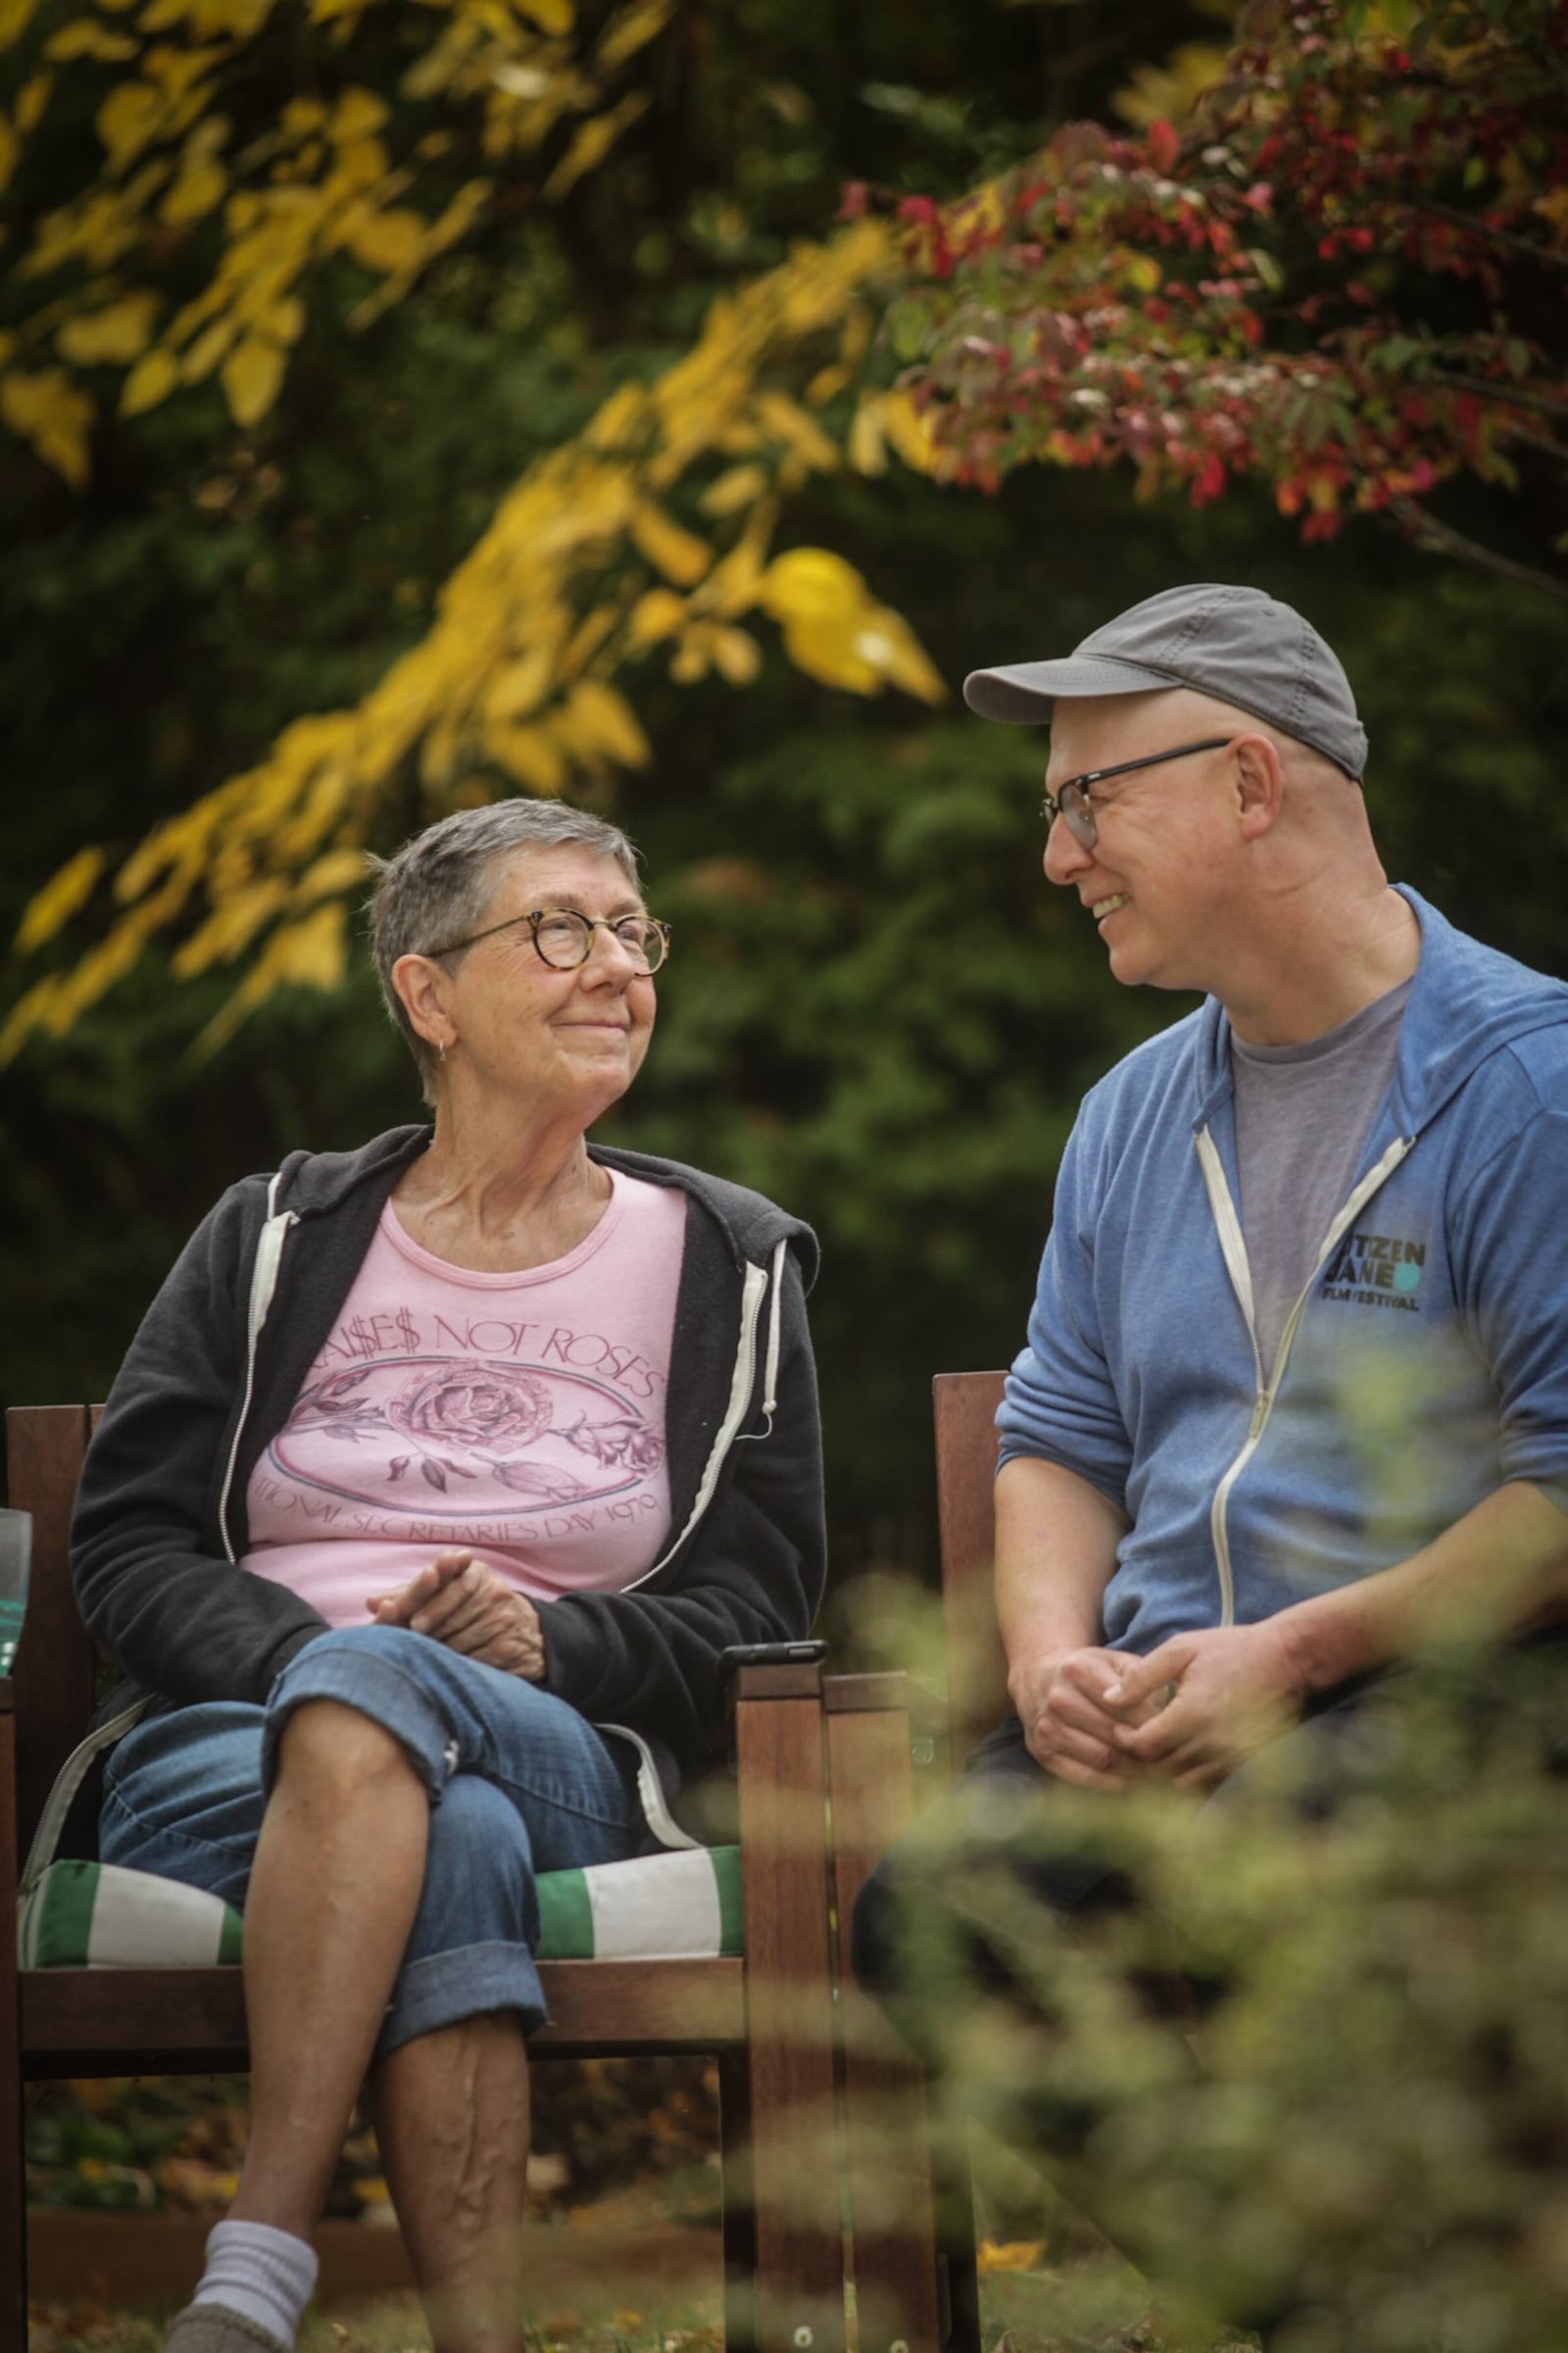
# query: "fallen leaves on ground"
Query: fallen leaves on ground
{"points": [[395, 2326], [1013, 2255], [601, 2127]]}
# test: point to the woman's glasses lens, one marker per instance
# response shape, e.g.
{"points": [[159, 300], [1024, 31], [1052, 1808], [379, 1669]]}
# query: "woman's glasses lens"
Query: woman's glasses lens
{"points": [[564, 939]]}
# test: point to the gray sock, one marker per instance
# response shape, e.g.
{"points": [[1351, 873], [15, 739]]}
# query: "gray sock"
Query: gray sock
{"points": [[267, 2274]]}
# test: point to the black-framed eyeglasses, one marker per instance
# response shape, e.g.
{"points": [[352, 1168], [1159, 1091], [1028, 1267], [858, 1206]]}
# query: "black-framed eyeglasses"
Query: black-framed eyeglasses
{"points": [[563, 938], [1071, 800]]}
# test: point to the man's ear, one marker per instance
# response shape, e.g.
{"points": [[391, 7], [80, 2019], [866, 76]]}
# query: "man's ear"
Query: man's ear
{"points": [[1259, 782]]}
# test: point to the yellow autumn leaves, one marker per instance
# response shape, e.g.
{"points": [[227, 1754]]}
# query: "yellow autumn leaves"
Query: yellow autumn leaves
{"points": [[44, 407], [584, 572], [332, 193], [833, 628], [323, 180], [647, 537]]}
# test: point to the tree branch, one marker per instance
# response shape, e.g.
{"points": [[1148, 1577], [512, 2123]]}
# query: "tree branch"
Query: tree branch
{"points": [[1525, 439], [1493, 236], [1490, 389], [1435, 538]]}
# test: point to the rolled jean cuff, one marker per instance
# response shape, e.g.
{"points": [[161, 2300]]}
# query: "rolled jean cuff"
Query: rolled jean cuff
{"points": [[446, 1988], [372, 1686]]}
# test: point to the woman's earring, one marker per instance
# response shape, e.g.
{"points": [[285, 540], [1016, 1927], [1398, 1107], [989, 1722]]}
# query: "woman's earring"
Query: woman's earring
{"points": [[441, 1049]]}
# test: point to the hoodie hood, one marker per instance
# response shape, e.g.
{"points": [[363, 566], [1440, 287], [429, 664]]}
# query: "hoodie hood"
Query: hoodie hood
{"points": [[754, 1225], [1467, 1003]]}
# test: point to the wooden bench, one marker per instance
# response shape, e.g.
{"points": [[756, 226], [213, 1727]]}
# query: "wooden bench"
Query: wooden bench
{"points": [[770, 2018], [918, 2269]]}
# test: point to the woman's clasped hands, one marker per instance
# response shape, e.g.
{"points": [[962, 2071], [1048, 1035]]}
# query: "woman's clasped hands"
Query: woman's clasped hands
{"points": [[468, 1605]]}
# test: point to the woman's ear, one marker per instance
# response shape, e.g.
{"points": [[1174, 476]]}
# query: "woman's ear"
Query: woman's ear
{"points": [[422, 987]]}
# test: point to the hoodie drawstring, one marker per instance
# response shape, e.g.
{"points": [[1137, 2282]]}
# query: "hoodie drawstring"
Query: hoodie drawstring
{"points": [[775, 1336], [775, 1343], [264, 1282]]}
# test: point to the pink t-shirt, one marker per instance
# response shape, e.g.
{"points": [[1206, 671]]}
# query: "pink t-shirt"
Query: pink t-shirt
{"points": [[520, 1417]]}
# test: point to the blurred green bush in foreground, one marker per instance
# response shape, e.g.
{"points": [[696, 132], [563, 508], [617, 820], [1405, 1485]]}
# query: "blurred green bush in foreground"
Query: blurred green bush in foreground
{"points": [[1313, 2071]]}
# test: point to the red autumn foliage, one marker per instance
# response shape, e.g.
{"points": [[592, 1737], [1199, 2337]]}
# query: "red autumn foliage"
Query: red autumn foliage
{"points": [[1350, 279]]}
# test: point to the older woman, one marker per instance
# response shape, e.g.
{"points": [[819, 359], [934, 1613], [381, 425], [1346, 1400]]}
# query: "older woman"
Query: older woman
{"points": [[431, 1491]]}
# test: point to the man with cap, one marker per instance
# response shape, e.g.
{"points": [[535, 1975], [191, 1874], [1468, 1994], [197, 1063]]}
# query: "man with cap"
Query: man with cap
{"points": [[1294, 1402], [1322, 1196]]}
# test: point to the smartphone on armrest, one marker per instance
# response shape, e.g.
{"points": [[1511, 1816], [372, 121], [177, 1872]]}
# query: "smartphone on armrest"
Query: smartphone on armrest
{"points": [[773, 1654]]}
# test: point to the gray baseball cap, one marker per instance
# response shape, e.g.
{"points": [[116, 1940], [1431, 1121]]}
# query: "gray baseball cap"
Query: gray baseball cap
{"points": [[1237, 644]]}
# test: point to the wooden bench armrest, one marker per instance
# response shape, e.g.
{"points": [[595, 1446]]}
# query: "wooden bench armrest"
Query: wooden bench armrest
{"points": [[802, 1680], [866, 1695]]}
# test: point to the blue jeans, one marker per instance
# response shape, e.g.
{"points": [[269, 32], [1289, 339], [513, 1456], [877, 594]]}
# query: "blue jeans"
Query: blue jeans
{"points": [[519, 1783]]}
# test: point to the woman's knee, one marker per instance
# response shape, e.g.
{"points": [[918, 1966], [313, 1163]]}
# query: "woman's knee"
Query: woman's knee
{"points": [[331, 1743], [353, 1701], [392, 1642]]}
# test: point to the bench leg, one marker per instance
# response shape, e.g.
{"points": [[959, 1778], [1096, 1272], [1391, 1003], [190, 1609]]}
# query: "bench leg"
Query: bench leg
{"points": [[913, 2249], [795, 2174], [740, 2221]]}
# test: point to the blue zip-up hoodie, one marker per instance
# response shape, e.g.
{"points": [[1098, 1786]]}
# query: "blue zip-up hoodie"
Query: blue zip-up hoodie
{"points": [[1425, 1363]]}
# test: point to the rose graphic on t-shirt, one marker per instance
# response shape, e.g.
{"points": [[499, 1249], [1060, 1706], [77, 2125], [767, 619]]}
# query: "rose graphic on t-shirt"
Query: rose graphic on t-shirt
{"points": [[629, 1442], [459, 1426], [339, 1406], [490, 1405]]}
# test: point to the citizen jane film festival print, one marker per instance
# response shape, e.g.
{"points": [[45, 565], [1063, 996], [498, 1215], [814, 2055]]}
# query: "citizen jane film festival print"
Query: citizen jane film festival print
{"points": [[1376, 1270]]}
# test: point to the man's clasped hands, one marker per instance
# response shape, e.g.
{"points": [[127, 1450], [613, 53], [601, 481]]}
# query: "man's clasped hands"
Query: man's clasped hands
{"points": [[1189, 1713]]}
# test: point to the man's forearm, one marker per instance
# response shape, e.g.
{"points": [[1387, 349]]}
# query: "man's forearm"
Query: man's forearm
{"points": [[1056, 1540], [1496, 1573]]}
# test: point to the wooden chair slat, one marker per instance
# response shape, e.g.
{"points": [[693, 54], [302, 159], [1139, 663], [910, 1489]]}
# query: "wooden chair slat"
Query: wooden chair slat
{"points": [[87, 2022], [54, 1664], [617, 2008], [195, 2018], [963, 1408]]}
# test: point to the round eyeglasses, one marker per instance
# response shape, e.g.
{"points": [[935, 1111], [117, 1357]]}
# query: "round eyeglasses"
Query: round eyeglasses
{"points": [[563, 938], [1071, 801]]}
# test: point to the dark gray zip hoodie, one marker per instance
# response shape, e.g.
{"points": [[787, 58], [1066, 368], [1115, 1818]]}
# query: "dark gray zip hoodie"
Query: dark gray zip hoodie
{"points": [[220, 1358]]}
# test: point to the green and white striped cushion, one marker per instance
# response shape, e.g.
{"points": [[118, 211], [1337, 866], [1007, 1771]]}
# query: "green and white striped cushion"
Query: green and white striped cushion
{"points": [[95, 1915], [678, 1906]]}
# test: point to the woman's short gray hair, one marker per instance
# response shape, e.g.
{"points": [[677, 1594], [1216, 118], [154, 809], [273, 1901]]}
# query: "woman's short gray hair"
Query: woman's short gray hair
{"points": [[439, 884]]}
